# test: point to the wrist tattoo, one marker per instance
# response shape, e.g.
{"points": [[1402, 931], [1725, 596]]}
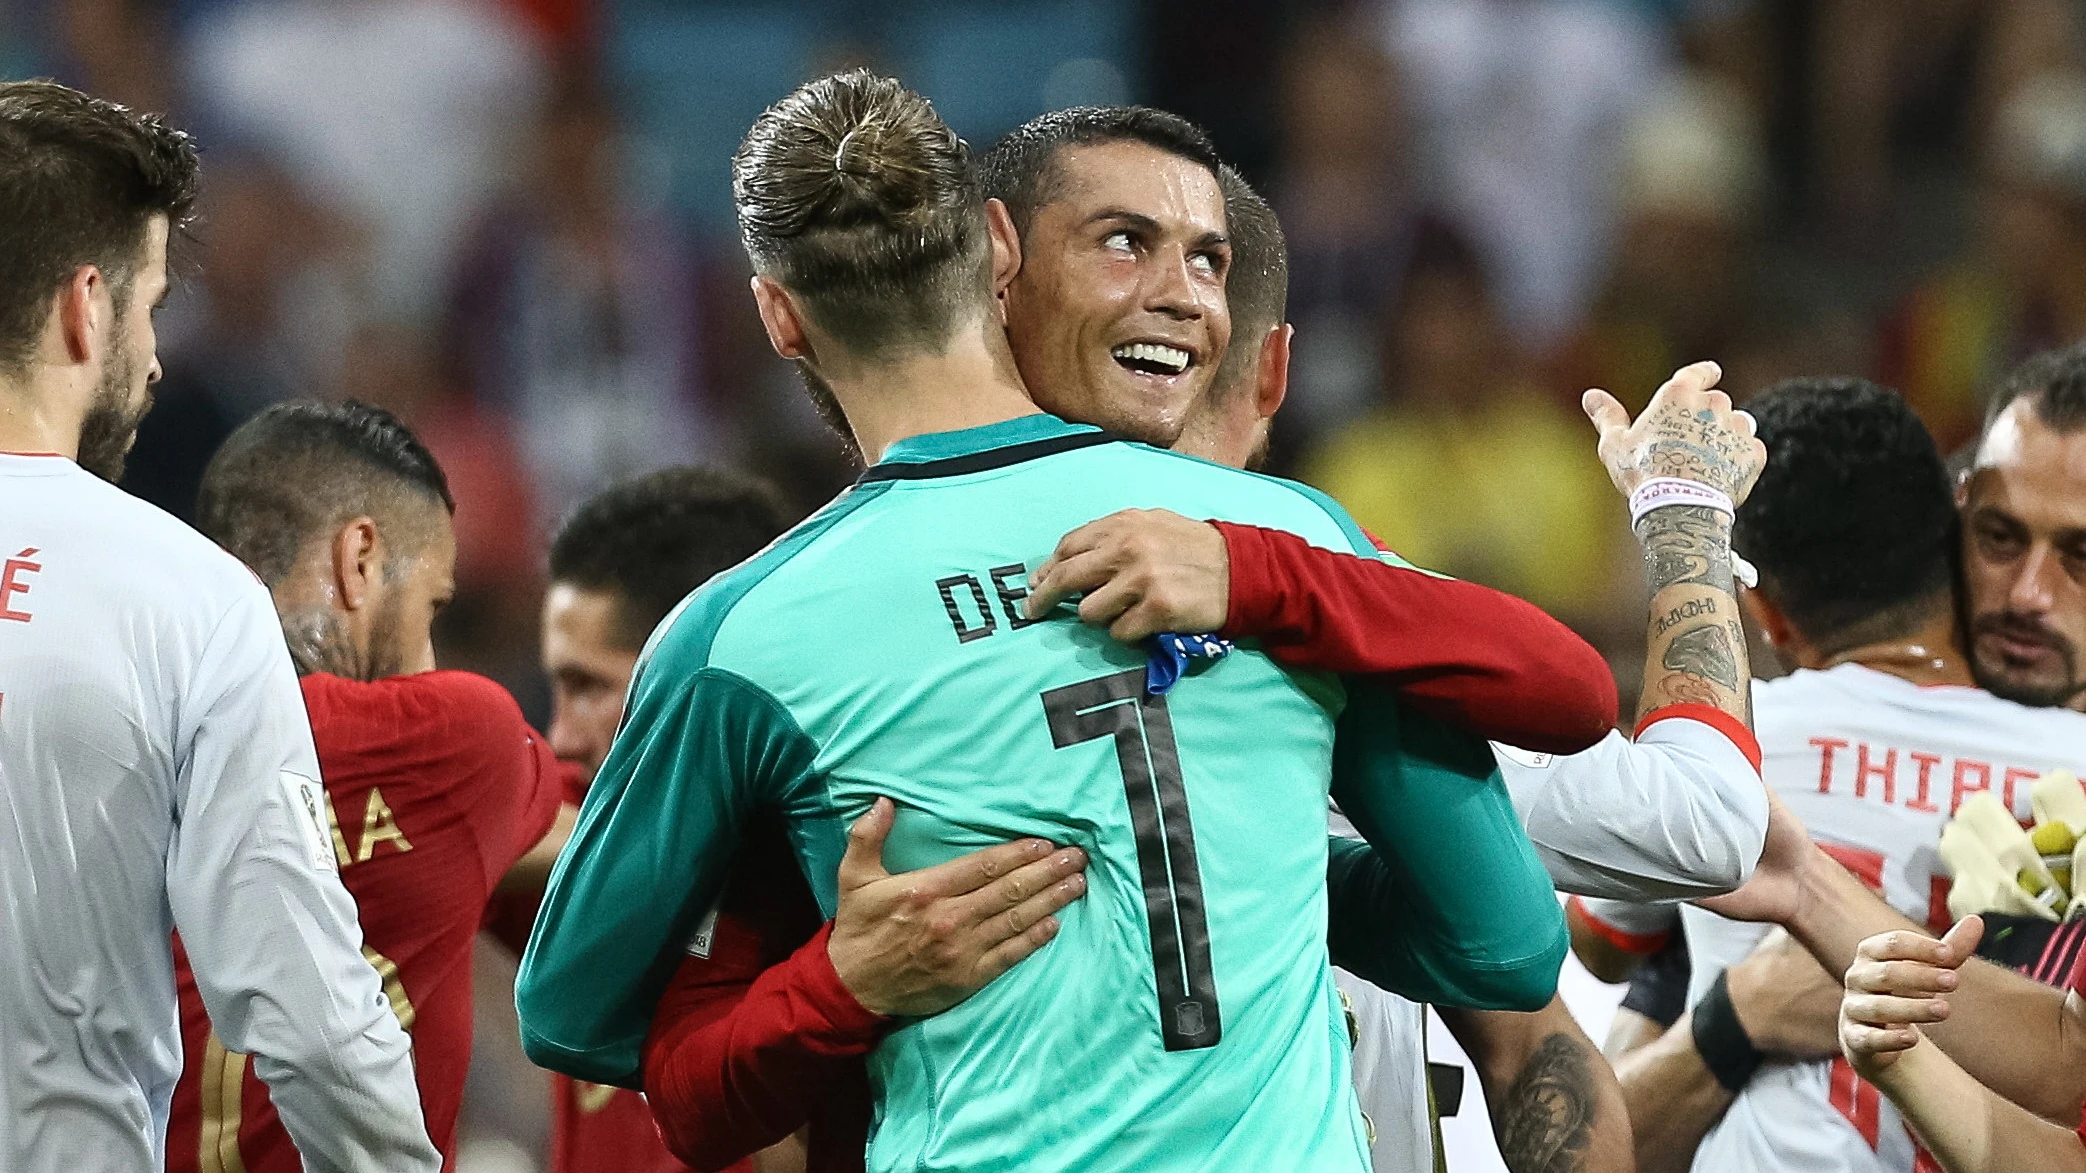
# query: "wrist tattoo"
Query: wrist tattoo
{"points": [[1547, 1125], [1686, 544]]}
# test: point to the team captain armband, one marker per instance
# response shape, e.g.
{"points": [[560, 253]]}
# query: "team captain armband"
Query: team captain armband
{"points": [[1660, 492]]}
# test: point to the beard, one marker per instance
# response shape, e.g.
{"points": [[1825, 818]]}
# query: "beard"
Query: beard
{"points": [[828, 407], [111, 425], [2000, 681]]}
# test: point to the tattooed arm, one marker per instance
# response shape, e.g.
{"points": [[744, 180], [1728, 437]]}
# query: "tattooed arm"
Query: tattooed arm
{"points": [[1697, 652], [1555, 1103]]}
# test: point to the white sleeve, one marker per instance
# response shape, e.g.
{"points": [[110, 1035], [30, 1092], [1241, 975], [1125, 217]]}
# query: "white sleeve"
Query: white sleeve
{"points": [[271, 934], [1678, 814]]}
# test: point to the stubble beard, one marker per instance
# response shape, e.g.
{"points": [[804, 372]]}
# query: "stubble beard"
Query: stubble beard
{"points": [[111, 424], [827, 405]]}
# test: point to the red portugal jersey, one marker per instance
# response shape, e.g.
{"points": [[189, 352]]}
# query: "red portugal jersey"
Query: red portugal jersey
{"points": [[596, 1128], [435, 786]]}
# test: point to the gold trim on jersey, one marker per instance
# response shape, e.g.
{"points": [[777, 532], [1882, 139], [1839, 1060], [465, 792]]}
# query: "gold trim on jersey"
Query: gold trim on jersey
{"points": [[394, 989], [222, 1093]]}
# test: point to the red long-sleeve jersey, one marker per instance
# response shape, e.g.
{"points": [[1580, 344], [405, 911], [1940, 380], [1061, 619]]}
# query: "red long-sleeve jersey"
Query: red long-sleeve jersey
{"points": [[746, 1050]]}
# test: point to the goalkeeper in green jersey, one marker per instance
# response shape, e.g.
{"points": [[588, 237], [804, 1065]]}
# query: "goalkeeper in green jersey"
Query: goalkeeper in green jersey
{"points": [[1186, 1019]]}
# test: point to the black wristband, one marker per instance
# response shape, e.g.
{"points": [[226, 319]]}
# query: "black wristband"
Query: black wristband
{"points": [[1721, 1039]]}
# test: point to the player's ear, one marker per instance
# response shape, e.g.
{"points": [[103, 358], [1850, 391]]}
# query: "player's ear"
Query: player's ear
{"points": [[781, 318], [1271, 384], [1770, 620], [80, 313], [1006, 246], [358, 560]]}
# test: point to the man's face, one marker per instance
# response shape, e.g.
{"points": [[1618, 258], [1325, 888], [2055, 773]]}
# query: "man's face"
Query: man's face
{"points": [[1117, 316], [589, 671], [415, 586], [130, 363], [2024, 559]]}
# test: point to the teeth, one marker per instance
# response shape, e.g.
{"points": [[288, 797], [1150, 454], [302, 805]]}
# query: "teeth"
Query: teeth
{"points": [[1173, 358]]}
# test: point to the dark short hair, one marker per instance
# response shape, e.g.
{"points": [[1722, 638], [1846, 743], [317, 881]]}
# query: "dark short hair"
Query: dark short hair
{"points": [[856, 196], [80, 178], [2054, 381], [1257, 284], [1853, 525], [653, 539], [299, 469], [1021, 170]]}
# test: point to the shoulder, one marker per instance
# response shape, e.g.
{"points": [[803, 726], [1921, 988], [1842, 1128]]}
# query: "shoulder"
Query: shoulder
{"points": [[684, 641], [1261, 499], [447, 712], [196, 569]]}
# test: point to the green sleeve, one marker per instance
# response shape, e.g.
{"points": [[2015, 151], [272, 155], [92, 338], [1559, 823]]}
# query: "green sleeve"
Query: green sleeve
{"points": [[1452, 906], [698, 752]]}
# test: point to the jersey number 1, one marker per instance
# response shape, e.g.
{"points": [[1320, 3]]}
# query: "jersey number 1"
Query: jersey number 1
{"points": [[1117, 707]]}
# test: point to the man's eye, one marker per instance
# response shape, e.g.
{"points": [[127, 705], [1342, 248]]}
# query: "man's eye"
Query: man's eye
{"points": [[1118, 241], [1204, 263]]}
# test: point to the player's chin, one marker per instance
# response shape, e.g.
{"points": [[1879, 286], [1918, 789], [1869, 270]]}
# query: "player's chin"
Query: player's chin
{"points": [[1149, 407]]}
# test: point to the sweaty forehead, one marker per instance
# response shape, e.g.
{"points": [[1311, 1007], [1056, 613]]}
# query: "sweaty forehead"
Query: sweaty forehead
{"points": [[2032, 471], [1136, 177]]}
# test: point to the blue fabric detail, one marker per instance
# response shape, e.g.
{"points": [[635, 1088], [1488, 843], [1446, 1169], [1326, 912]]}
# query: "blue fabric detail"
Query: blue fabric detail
{"points": [[943, 445], [1170, 653]]}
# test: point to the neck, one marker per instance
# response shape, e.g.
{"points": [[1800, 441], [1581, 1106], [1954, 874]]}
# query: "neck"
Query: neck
{"points": [[319, 641], [969, 384], [1930, 653], [36, 416]]}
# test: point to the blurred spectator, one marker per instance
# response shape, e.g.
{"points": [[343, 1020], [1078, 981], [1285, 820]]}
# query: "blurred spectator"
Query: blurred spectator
{"points": [[1349, 211], [1466, 466], [405, 114], [259, 317], [577, 314], [2022, 288], [1521, 106], [1692, 175]]}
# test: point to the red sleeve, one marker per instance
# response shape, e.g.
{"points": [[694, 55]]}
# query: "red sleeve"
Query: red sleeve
{"points": [[739, 1058], [1477, 658]]}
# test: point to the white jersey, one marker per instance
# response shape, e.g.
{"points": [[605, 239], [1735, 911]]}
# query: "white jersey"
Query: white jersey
{"points": [[1874, 765], [157, 773], [1677, 814]]}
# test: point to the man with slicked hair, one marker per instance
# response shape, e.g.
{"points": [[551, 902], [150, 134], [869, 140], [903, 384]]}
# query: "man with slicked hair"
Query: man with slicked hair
{"points": [[435, 790]]}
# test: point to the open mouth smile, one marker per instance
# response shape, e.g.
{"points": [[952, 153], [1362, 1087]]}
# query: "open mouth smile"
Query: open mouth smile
{"points": [[1152, 358]]}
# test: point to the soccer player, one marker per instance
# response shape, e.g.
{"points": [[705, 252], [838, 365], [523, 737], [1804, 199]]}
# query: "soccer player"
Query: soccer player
{"points": [[872, 246], [2024, 511], [156, 771], [1873, 739], [435, 787]]}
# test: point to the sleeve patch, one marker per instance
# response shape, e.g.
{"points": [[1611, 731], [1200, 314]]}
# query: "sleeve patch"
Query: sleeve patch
{"points": [[308, 811]]}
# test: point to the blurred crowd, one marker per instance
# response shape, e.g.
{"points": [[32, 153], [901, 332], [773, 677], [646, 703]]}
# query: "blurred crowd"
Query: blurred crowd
{"points": [[508, 221]]}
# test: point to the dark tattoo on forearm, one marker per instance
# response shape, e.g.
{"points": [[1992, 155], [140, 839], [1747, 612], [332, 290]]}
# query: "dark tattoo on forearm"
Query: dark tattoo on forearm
{"points": [[1705, 652], [1547, 1124], [1692, 609], [1686, 544]]}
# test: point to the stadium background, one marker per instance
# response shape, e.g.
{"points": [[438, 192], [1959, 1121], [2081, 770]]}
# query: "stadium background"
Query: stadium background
{"points": [[509, 221]]}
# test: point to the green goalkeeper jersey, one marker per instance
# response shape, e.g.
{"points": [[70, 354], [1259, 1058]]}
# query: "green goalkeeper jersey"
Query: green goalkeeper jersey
{"points": [[1184, 1018]]}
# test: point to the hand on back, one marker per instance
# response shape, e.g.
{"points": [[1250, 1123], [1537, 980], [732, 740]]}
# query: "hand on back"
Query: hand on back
{"points": [[1141, 572], [917, 943]]}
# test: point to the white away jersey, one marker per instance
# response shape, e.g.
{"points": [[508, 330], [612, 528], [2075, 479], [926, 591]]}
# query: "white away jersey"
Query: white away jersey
{"points": [[157, 773], [1874, 765]]}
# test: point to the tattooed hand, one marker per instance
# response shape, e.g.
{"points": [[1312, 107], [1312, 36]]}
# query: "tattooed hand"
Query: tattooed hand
{"points": [[1689, 430]]}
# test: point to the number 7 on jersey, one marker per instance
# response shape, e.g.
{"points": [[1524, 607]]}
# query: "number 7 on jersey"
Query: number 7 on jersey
{"points": [[1117, 707]]}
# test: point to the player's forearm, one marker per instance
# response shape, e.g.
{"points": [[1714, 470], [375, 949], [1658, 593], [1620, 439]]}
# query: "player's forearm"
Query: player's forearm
{"points": [[733, 1068], [1697, 646], [1672, 1098], [2011, 1033], [1456, 909], [1479, 659], [1555, 1103], [1967, 1127]]}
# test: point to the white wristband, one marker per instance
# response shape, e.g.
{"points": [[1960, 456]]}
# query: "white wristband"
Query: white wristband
{"points": [[1660, 492]]}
